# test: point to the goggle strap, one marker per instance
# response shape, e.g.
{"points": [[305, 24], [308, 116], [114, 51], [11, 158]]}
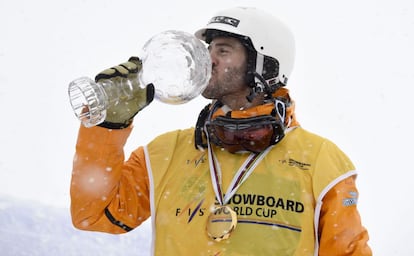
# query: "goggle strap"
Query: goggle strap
{"points": [[199, 129]]}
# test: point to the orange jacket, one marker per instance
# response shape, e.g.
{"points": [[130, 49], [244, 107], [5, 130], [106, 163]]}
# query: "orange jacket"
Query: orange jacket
{"points": [[112, 195]]}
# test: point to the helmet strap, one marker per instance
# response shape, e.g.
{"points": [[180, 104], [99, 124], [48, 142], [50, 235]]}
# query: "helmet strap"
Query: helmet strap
{"points": [[259, 66], [260, 83]]}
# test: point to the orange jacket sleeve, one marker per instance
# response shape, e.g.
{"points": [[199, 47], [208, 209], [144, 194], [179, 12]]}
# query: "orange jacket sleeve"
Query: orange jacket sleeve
{"points": [[340, 229], [108, 194]]}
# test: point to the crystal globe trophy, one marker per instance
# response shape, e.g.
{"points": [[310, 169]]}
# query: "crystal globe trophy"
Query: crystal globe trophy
{"points": [[175, 62]]}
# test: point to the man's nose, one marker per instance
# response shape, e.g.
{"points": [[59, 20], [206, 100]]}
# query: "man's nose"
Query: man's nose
{"points": [[213, 59]]}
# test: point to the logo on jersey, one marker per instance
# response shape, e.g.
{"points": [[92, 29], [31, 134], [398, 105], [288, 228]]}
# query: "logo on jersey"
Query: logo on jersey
{"points": [[353, 200], [190, 210], [295, 163]]}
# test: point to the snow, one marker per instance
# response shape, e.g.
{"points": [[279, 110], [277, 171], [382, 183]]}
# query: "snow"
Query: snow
{"points": [[31, 228], [352, 83]]}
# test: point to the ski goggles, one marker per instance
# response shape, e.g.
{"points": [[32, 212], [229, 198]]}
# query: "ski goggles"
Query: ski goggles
{"points": [[248, 131], [253, 134]]}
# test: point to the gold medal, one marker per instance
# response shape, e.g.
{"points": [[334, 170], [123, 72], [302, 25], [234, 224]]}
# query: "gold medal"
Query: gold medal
{"points": [[223, 219], [221, 223]]}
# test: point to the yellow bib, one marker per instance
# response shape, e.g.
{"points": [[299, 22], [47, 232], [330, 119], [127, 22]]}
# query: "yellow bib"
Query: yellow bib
{"points": [[276, 205]]}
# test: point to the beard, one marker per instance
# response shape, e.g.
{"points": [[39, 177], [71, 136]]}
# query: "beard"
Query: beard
{"points": [[230, 80]]}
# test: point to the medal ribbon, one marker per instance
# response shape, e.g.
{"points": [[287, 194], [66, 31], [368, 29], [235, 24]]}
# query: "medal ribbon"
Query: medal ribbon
{"points": [[242, 174]]}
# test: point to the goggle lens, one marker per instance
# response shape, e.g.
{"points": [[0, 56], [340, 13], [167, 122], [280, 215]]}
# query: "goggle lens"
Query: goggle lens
{"points": [[252, 135]]}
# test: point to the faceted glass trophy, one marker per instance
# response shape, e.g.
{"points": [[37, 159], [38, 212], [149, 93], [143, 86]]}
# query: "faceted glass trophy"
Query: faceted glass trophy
{"points": [[175, 62]]}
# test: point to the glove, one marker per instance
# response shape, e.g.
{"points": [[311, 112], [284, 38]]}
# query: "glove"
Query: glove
{"points": [[120, 115]]}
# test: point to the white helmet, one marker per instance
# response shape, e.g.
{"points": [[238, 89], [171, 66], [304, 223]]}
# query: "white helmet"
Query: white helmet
{"points": [[272, 40]]}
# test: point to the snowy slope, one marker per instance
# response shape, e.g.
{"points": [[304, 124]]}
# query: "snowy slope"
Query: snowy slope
{"points": [[29, 228]]}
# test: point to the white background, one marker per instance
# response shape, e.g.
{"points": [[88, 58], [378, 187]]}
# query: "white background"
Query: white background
{"points": [[352, 84]]}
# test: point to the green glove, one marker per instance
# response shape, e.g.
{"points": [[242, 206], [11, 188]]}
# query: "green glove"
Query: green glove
{"points": [[121, 114]]}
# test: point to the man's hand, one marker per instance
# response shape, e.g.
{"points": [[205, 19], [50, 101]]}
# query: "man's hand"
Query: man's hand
{"points": [[121, 114]]}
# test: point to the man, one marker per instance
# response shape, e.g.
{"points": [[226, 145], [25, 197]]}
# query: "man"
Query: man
{"points": [[255, 183]]}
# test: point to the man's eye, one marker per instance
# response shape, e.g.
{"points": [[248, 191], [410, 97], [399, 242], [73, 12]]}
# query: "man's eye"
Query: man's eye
{"points": [[223, 50]]}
